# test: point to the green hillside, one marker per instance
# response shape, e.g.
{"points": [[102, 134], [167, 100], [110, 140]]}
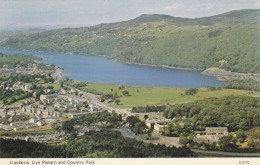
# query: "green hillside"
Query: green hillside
{"points": [[230, 41]]}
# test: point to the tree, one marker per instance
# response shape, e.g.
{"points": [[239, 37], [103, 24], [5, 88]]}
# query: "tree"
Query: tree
{"points": [[125, 93], [61, 84], [185, 138], [76, 93], [117, 101], [145, 117], [72, 135], [149, 133], [49, 87], [139, 127], [132, 120], [67, 126], [225, 142], [168, 129], [191, 91]]}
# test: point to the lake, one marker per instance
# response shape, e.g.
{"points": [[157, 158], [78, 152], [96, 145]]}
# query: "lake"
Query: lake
{"points": [[96, 69]]}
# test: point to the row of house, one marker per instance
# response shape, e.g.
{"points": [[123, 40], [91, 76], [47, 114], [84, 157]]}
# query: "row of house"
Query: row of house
{"points": [[26, 126], [17, 86], [45, 137], [44, 112], [75, 115], [5, 127]]}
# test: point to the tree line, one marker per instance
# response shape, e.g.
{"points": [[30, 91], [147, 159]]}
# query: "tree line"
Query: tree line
{"points": [[100, 144]]}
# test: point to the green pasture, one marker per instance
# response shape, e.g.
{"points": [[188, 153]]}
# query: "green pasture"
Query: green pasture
{"points": [[142, 96]]}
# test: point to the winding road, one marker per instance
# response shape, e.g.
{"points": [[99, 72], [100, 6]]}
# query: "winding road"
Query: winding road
{"points": [[168, 141]]}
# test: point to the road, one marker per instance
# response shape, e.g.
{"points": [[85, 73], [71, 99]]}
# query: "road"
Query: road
{"points": [[93, 100], [170, 140], [125, 130]]}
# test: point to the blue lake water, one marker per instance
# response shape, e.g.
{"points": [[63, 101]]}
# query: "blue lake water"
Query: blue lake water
{"points": [[97, 69]]}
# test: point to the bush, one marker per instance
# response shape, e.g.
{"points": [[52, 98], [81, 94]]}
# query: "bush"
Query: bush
{"points": [[191, 91]]}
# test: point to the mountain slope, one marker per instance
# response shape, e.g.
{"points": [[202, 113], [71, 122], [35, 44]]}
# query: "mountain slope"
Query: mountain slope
{"points": [[229, 41]]}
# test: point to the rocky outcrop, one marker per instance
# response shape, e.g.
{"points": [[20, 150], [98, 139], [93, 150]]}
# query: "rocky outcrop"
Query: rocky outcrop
{"points": [[224, 75]]}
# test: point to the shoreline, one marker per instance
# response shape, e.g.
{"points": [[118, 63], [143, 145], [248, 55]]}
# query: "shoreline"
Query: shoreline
{"points": [[219, 74], [129, 63], [224, 75], [162, 66]]}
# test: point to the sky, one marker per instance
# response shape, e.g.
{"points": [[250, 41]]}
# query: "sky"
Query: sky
{"points": [[76, 13]]}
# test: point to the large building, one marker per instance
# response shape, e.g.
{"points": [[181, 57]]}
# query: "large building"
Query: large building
{"points": [[211, 134], [158, 125], [216, 131], [213, 131]]}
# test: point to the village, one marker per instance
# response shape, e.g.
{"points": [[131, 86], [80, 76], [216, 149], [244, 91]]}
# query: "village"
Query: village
{"points": [[54, 108], [47, 107], [39, 109]]}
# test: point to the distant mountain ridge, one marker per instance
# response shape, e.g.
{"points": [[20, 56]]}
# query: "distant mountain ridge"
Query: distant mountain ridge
{"points": [[230, 41]]}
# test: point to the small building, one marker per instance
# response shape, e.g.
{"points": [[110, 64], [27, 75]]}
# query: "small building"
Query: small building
{"points": [[23, 109], [39, 117], [27, 87], [63, 92], [73, 110], [57, 114], [94, 107], [3, 114], [19, 128], [16, 123], [39, 111], [15, 118], [27, 138], [33, 120], [159, 128], [50, 98], [30, 125], [51, 118], [40, 123], [83, 110], [68, 106], [58, 105], [2, 119], [46, 113], [74, 115], [11, 112]]}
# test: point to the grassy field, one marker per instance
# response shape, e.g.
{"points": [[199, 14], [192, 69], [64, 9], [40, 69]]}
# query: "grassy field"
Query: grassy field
{"points": [[55, 86], [142, 96], [151, 115]]}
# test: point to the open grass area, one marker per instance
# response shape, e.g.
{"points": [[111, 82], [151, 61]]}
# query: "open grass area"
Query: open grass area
{"points": [[142, 96], [151, 115], [55, 86]]}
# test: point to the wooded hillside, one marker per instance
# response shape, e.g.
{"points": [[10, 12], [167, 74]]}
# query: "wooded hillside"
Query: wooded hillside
{"points": [[229, 41]]}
